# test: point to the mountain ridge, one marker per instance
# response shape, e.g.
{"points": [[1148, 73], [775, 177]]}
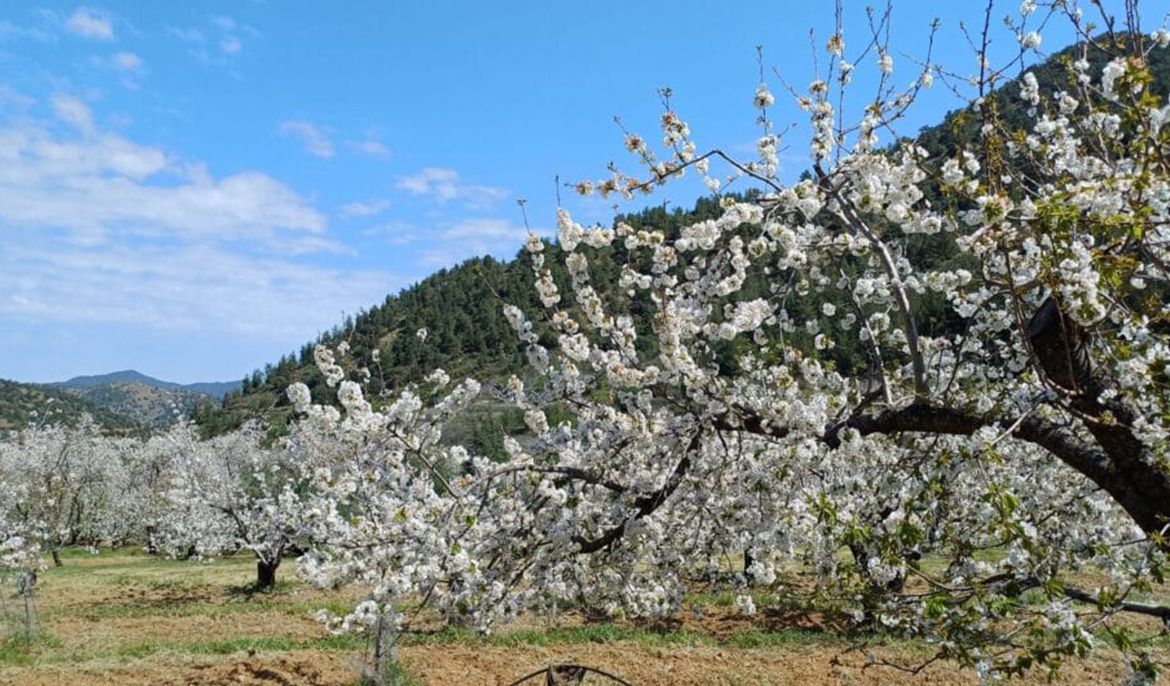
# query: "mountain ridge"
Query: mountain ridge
{"points": [[215, 389]]}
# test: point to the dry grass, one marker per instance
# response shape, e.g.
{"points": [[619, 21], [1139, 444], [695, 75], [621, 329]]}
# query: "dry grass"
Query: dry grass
{"points": [[125, 619]]}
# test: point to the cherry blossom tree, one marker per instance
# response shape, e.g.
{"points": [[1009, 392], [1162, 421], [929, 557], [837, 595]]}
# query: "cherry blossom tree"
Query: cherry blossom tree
{"points": [[972, 469], [232, 493], [62, 484]]}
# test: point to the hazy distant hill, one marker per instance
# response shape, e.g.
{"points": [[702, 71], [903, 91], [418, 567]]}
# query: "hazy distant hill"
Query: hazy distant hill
{"points": [[147, 405], [124, 401], [144, 399], [216, 390], [22, 404]]}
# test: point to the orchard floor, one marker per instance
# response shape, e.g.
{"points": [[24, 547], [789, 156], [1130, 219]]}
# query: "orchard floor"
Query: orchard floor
{"points": [[125, 619]]}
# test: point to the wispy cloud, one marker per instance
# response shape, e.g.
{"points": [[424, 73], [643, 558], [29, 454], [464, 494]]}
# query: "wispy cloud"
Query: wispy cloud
{"points": [[188, 288], [128, 61], [369, 146], [187, 34], [217, 40], [444, 185], [224, 23], [11, 30], [315, 140], [73, 112], [449, 244], [10, 98], [89, 24], [364, 209]]}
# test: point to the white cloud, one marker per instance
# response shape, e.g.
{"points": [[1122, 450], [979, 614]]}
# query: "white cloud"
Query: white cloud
{"points": [[452, 243], [99, 228], [364, 209], [73, 112], [99, 183], [188, 288], [444, 185], [219, 32], [128, 61], [315, 140], [86, 23], [371, 147]]}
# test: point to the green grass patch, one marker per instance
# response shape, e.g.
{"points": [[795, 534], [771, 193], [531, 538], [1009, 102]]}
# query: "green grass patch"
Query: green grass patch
{"points": [[606, 632], [201, 608], [16, 651], [398, 676], [259, 645]]}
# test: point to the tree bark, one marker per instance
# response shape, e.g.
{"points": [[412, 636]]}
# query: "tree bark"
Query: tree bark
{"points": [[57, 558], [1062, 349], [266, 574], [385, 658]]}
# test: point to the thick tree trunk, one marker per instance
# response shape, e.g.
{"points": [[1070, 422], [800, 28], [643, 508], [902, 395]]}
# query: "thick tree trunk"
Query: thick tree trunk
{"points": [[1062, 349], [57, 558], [266, 574]]}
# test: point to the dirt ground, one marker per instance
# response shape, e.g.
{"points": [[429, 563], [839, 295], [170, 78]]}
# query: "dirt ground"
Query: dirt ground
{"points": [[129, 620]]}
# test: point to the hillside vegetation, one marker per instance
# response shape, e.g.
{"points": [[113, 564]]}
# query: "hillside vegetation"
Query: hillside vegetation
{"points": [[22, 404], [461, 307], [145, 405]]}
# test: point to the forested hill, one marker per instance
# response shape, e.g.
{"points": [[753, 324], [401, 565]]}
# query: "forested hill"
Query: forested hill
{"points": [[461, 308], [22, 404]]}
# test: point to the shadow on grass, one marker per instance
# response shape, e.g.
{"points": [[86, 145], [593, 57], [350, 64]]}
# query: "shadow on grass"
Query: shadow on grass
{"points": [[249, 590]]}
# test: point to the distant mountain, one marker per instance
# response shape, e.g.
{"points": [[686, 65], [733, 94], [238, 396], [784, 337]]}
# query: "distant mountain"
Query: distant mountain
{"points": [[23, 404], [142, 399], [216, 390], [147, 405], [125, 376], [122, 402]]}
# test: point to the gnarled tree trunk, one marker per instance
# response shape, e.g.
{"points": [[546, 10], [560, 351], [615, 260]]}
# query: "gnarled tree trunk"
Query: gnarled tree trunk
{"points": [[1062, 349]]}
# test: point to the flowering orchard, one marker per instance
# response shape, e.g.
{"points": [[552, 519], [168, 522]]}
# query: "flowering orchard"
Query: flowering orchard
{"points": [[1035, 425], [997, 485]]}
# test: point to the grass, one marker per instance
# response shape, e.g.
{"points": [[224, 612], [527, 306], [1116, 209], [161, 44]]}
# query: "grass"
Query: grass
{"points": [[17, 651], [397, 676], [129, 588], [124, 610], [606, 632], [241, 645]]}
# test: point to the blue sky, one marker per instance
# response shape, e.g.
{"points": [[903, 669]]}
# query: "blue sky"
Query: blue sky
{"points": [[194, 189]]}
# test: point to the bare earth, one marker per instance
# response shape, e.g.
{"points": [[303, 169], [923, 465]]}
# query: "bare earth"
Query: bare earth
{"points": [[129, 620]]}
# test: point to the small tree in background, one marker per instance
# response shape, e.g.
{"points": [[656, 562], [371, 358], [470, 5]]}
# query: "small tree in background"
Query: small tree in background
{"points": [[233, 493]]}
